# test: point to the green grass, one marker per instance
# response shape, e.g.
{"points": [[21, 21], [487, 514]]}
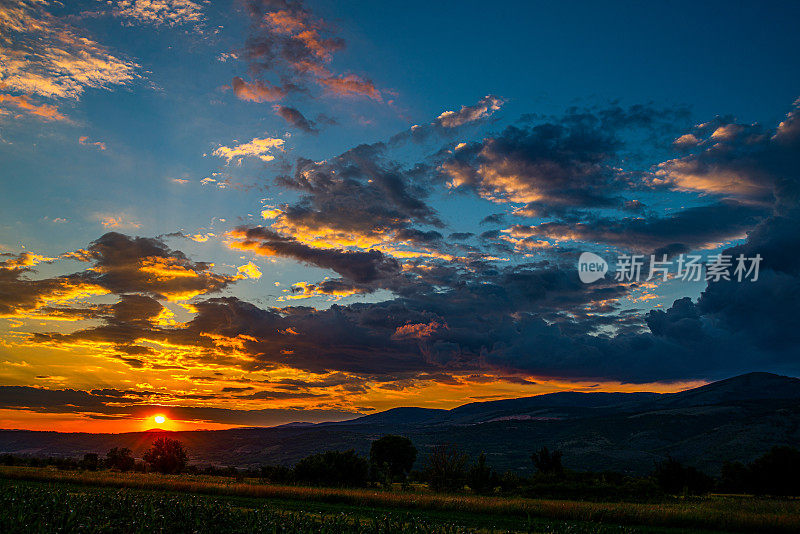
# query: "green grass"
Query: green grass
{"points": [[159, 503]]}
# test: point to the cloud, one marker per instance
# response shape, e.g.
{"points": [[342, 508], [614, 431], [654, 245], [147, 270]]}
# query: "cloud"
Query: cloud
{"points": [[159, 12], [117, 221], [351, 85], [361, 267], [444, 317], [286, 40], [123, 264], [295, 118], [257, 91], [45, 56], [24, 104], [133, 403], [335, 289], [482, 109], [21, 296], [84, 140], [258, 147], [686, 230], [564, 164], [741, 161], [249, 270], [357, 199]]}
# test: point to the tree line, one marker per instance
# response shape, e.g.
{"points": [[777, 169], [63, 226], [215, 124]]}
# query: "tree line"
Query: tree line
{"points": [[448, 469]]}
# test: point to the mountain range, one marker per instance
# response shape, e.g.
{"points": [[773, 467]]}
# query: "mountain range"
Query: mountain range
{"points": [[738, 418]]}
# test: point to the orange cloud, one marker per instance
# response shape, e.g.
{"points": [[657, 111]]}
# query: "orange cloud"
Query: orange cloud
{"points": [[257, 91], [117, 221], [84, 140], [351, 85], [418, 331], [22, 102], [44, 55]]}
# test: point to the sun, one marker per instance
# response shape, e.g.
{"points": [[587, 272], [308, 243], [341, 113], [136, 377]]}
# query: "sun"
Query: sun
{"points": [[160, 419]]}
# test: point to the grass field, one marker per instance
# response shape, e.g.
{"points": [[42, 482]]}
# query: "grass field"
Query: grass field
{"points": [[47, 500]]}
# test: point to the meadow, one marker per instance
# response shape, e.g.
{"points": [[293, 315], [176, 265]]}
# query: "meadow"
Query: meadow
{"points": [[46, 500]]}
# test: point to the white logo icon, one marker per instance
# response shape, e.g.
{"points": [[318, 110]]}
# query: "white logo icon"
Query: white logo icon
{"points": [[591, 267]]}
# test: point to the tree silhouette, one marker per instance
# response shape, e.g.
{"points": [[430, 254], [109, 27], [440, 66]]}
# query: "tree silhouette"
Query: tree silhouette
{"points": [[481, 478], [446, 468], [394, 455], [333, 468], [547, 462], [166, 456], [674, 477], [776, 473], [91, 461]]}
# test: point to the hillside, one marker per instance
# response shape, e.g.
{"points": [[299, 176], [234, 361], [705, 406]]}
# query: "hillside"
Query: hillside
{"points": [[734, 419]]}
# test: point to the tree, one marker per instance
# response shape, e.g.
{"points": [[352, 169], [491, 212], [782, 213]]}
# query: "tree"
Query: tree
{"points": [[674, 477], [333, 468], [481, 478], [548, 463], [166, 456], [120, 458], [446, 468], [776, 473], [394, 455]]}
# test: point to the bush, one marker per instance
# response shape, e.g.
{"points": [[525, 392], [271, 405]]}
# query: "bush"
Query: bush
{"points": [[333, 468]]}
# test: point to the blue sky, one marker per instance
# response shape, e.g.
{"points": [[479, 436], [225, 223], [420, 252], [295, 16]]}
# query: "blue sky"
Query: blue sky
{"points": [[294, 165]]}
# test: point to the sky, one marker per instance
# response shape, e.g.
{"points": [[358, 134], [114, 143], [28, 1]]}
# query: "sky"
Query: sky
{"points": [[255, 212]]}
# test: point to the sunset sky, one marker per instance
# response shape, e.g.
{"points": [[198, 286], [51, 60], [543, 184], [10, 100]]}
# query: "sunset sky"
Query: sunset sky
{"points": [[263, 211]]}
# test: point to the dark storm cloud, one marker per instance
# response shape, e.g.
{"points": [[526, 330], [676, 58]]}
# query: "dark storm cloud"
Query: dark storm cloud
{"points": [[295, 118], [554, 167], [507, 319], [743, 161], [360, 267], [20, 294], [495, 218], [684, 231], [124, 264], [357, 195]]}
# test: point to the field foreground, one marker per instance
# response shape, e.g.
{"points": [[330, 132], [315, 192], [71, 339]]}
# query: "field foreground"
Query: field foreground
{"points": [[46, 500]]}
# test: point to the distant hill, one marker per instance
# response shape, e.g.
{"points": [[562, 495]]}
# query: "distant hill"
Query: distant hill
{"points": [[735, 419]]}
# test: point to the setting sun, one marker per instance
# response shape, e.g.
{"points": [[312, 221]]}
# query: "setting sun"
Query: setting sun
{"points": [[160, 419]]}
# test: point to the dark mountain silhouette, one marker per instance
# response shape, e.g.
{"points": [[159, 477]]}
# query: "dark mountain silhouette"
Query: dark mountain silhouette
{"points": [[735, 419]]}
